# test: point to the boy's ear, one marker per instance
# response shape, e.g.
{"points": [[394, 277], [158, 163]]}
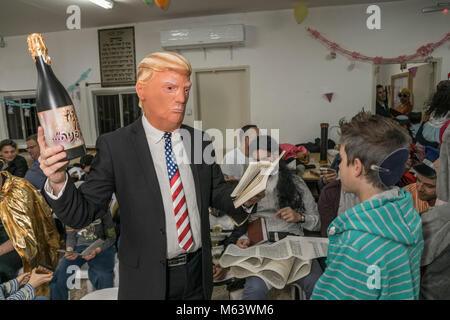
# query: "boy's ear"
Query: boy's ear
{"points": [[358, 168]]}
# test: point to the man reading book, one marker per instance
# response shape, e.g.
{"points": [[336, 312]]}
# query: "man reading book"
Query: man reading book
{"points": [[236, 161], [287, 208], [375, 247]]}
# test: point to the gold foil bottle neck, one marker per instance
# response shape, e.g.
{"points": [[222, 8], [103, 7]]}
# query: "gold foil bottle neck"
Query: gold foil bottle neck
{"points": [[36, 46]]}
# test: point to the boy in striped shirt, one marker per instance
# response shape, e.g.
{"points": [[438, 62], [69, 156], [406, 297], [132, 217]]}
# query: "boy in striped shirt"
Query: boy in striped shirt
{"points": [[23, 286], [376, 246]]}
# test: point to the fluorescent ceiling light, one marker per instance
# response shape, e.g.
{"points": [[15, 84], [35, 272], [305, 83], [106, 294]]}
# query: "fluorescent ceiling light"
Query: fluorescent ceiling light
{"points": [[441, 6], [107, 4]]}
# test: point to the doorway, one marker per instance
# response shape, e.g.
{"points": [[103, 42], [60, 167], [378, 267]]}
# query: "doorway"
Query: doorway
{"points": [[222, 100]]}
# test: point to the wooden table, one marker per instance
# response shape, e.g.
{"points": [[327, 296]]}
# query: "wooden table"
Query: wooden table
{"points": [[314, 158], [311, 179]]}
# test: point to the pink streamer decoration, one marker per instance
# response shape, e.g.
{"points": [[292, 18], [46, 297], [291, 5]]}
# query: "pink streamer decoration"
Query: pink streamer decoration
{"points": [[424, 50]]}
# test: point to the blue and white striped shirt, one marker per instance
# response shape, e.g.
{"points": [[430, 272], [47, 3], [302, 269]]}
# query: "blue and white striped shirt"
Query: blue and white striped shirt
{"points": [[10, 291]]}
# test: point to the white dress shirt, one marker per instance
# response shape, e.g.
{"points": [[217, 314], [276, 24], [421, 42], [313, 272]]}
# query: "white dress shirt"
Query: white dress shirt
{"points": [[155, 139], [234, 164]]}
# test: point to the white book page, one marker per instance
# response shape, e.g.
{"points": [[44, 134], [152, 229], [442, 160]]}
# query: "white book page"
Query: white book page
{"points": [[252, 171]]}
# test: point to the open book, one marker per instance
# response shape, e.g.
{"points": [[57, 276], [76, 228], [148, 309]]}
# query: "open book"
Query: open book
{"points": [[278, 263], [94, 245], [254, 180]]}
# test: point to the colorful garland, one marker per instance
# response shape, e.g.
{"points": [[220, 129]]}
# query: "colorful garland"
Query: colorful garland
{"points": [[423, 51]]}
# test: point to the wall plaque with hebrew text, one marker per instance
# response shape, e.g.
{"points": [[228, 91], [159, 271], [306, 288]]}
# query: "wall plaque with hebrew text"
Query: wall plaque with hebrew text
{"points": [[117, 57]]}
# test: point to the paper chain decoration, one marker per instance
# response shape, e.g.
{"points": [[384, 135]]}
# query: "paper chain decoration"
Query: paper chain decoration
{"points": [[423, 51], [70, 88]]}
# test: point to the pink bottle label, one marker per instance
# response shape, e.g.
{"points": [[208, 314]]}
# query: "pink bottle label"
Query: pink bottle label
{"points": [[61, 127]]}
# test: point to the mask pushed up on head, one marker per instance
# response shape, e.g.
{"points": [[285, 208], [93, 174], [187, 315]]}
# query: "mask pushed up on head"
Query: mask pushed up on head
{"points": [[392, 167]]}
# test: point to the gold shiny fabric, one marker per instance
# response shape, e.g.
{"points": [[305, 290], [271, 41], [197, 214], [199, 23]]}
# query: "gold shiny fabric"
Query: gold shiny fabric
{"points": [[28, 221]]}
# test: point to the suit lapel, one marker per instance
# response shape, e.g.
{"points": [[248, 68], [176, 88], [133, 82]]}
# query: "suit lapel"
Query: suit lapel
{"points": [[197, 187], [189, 147], [145, 160]]}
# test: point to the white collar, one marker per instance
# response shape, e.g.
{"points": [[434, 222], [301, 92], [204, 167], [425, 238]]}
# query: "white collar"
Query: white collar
{"points": [[157, 135]]}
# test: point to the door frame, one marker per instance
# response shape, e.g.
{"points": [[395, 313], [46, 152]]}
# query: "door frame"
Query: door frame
{"points": [[196, 106]]}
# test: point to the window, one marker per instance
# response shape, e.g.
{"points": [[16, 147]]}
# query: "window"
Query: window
{"points": [[21, 122], [131, 109], [116, 110]]}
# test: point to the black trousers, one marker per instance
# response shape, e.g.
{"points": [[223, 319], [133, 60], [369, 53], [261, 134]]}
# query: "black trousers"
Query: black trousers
{"points": [[185, 282]]}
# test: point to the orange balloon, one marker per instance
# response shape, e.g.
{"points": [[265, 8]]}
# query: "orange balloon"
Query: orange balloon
{"points": [[162, 3]]}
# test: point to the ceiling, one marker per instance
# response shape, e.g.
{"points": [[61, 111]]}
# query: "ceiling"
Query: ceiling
{"points": [[19, 17]]}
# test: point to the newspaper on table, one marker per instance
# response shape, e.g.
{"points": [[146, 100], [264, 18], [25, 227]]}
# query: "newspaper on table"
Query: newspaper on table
{"points": [[277, 263]]}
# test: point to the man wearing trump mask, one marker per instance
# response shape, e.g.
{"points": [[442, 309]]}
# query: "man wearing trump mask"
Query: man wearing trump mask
{"points": [[164, 186]]}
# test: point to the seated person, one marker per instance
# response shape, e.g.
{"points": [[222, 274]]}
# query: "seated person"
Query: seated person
{"points": [[435, 263], [408, 176], [10, 261], [404, 123], [34, 174], [233, 167], [236, 161], [13, 163], [375, 247], [332, 175], [405, 106], [76, 174], [85, 163], [225, 231], [290, 205], [334, 201], [439, 114], [23, 287], [100, 261], [443, 190], [415, 120], [424, 190]]}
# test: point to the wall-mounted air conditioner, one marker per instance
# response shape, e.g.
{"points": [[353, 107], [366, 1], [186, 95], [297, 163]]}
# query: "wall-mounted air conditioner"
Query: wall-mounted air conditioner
{"points": [[206, 37]]}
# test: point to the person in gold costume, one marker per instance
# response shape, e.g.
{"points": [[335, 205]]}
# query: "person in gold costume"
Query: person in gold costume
{"points": [[29, 226]]}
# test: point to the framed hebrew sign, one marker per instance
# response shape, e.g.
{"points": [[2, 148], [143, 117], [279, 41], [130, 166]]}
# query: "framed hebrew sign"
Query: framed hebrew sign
{"points": [[117, 57]]}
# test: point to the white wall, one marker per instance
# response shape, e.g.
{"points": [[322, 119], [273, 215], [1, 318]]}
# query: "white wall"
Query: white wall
{"points": [[288, 70]]}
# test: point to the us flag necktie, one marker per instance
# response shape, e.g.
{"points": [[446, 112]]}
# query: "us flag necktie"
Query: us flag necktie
{"points": [[185, 239]]}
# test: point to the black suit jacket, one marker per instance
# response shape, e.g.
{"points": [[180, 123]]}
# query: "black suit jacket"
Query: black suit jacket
{"points": [[124, 165], [382, 111]]}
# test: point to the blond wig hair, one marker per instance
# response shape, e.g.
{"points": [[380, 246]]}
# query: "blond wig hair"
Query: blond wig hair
{"points": [[161, 61]]}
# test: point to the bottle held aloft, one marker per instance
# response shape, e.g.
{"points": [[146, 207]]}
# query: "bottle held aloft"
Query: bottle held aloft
{"points": [[54, 107]]}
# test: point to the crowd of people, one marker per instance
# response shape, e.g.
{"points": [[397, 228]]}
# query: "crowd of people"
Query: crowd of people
{"points": [[384, 206]]}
